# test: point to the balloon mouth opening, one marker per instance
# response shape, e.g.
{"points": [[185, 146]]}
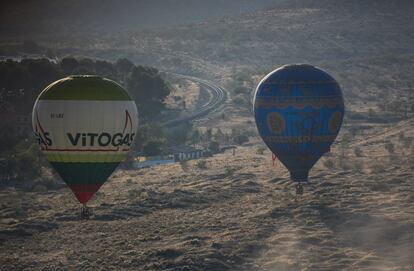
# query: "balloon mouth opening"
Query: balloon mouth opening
{"points": [[299, 175]]}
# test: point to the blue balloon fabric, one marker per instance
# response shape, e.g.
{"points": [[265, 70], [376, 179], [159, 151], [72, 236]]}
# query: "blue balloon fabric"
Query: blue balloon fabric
{"points": [[298, 110]]}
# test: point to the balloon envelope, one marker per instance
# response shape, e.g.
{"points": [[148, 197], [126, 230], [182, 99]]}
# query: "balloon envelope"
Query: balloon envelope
{"points": [[298, 111], [85, 125]]}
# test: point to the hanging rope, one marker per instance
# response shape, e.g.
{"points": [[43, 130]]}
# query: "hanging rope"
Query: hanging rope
{"points": [[85, 212], [273, 159], [299, 189]]}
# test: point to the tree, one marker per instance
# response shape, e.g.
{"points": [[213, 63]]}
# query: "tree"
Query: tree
{"points": [[50, 53], [179, 134], [124, 66], [209, 134], [214, 146], [105, 69], [148, 132], [219, 135], [240, 139], [42, 73], [148, 89], [25, 161], [151, 148], [69, 64], [86, 66], [195, 136]]}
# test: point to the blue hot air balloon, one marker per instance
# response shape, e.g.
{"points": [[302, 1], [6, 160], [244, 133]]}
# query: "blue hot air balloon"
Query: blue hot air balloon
{"points": [[298, 110]]}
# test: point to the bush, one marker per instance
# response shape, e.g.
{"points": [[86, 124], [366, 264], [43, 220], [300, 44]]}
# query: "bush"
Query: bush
{"points": [[377, 168], [358, 152], [184, 166], [389, 146], [24, 161], [239, 100], [201, 164], [214, 146], [240, 139], [229, 171], [39, 188], [152, 148], [358, 167], [241, 90], [344, 164], [407, 142], [260, 150], [179, 134], [328, 163]]}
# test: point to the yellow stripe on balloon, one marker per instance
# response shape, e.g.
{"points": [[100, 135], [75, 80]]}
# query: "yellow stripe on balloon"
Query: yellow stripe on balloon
{"points": [[85, 157]]}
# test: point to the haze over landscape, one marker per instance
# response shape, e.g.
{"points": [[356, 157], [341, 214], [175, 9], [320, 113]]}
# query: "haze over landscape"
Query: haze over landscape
{"points": [[192, 68]]}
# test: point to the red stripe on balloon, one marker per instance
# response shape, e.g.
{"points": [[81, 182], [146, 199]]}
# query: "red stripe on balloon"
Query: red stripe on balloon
{"points": [[84, 192], [85, 150]]}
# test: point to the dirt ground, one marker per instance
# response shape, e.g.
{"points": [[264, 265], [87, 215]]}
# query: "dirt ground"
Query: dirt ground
{"points": [[184, 95], [240, 213]]}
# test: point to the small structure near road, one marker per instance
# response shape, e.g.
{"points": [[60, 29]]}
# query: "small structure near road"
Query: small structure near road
{"points": [[177, 153], [149, 161], [183, 153]]}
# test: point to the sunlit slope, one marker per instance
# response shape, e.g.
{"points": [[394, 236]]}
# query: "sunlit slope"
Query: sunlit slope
{"points": [[238, 214]]}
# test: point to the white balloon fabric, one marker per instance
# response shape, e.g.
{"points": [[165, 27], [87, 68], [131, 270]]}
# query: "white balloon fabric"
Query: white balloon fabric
{"points": [[85, 125]]}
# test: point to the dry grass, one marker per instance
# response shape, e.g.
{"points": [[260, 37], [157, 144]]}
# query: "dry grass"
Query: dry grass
{"points": [[239, 213]]}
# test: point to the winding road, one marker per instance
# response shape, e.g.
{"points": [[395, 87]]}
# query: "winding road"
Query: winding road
{"points": [[218, 97]]}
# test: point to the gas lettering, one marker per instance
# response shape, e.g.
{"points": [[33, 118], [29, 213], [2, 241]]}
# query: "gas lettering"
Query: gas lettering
{"points": [[100, 140], [43, 139]]}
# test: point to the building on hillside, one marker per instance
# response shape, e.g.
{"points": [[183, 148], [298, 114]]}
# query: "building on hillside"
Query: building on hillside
{"points": [[182, 153], [148, 161]]}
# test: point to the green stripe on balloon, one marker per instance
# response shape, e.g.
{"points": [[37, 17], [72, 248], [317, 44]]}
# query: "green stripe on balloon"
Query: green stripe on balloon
{"points": [[85, 157], [86, 87], [84, 173]]}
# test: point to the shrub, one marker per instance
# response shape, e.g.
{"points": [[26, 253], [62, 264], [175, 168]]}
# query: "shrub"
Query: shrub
{"points": [[328, 163], [377, 168], [228, 171], [240, 139], [201, 164], [389, 146], [345, 165], [260, 150], [241, 90], [358, 167], [152, 148], [358, 152], [239, 100], [214, 146], [184, 166], [407, 142]]}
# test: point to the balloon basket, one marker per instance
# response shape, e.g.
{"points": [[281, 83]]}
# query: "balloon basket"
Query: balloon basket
{"points": [[299, 189], [85, 212]]}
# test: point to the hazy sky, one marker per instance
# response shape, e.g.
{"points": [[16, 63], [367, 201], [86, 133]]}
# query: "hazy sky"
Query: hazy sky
{"points": [[47, 15]]}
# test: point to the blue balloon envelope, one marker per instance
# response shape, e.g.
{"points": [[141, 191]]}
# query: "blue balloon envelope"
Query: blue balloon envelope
{"points": [[298, 110]]}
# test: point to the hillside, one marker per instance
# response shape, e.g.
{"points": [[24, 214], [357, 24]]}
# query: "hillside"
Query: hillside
{"points": [[366, 46], [51, 18], [238, 214]]}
